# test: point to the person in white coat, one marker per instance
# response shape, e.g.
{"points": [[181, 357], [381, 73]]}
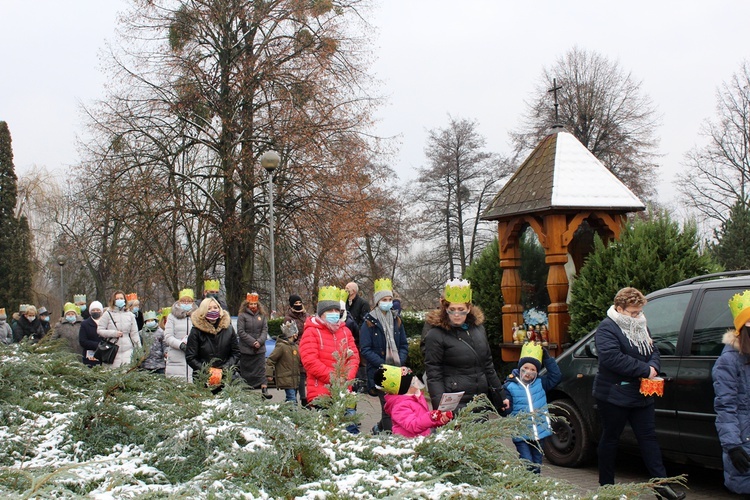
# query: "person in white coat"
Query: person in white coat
{"points": [[176, 332], [119, 324]]}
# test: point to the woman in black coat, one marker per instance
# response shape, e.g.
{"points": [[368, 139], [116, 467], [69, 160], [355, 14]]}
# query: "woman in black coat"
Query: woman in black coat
{"points": [[213, 344], [87, 335], [457, 354]]}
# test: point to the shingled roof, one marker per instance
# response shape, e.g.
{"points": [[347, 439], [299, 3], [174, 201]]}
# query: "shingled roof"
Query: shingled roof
{"points": [[561, 175]]}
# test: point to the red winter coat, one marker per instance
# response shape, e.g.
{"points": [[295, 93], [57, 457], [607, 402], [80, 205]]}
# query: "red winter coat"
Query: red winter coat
{"points": [[316, 351], [410, 414]]}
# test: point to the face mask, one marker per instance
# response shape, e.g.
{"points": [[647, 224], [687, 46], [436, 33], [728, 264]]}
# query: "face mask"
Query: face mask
{"points": [[186, 307], [213, 295], [213, 315], [30, 318], [2, 321], [120, 303], [333, 318], [83, 307], [385, 306], [136, 309], [44, 318], [96, 314], [71, 319], [297, 308], [151, 324]]}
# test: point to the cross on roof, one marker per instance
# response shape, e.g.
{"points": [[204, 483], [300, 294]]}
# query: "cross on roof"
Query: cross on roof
{"points": [[554, 89]]}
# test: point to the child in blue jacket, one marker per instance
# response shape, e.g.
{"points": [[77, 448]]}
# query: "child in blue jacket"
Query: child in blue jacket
{"points": [[527, 392]]}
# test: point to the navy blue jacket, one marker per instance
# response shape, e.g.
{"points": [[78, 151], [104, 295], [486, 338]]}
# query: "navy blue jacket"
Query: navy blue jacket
{"points": [[621, 367], [372, 345], [89, 340]]}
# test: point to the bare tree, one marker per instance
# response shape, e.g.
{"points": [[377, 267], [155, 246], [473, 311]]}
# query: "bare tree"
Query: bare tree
{"points": [[717, 175], [605, 108]]}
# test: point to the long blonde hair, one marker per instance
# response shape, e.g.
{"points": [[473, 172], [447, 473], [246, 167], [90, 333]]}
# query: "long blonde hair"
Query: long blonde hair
{"points": [[203, 307]]}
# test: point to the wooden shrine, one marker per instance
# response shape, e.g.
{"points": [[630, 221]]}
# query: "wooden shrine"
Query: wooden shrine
{"points": [[557, 189]]}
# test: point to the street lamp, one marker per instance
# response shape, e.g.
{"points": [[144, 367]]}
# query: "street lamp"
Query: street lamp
{"points": [[270, 161], [61, 262]]}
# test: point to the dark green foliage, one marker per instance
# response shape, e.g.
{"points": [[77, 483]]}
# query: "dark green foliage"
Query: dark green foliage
{"points": [[274, 327], [415, 360], [649, 256], [485, 276], [732, 249], [15, 237], [413, 325], [534, 273]]}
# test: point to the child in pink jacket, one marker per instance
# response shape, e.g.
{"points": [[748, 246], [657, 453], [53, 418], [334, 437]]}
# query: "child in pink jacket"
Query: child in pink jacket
{"points": [[406, 404]]}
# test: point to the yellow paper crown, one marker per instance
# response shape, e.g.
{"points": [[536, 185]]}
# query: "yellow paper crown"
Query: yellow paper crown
{"points": [[383, 284], [69, 306], [344, 296], [391, 379], [211, 285], [532, 350], [329, 293], [739, 305], [457, 291], [165, 311], [186, 292]]}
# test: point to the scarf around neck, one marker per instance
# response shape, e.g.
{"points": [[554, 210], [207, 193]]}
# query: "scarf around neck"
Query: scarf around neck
{"points": [[634, 330], [386, 321]]}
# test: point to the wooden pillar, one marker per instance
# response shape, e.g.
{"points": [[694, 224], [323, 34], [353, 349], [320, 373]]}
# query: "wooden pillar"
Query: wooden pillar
{"points": [[557, 281], [510, 263]]}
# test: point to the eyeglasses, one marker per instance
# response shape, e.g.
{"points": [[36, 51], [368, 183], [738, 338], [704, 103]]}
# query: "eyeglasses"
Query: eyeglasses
{"points": [[458, 313], [632, 313]]}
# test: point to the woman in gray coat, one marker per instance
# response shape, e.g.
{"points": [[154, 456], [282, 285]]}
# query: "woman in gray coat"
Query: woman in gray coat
{"points": [[252, 329], [176, 332]]}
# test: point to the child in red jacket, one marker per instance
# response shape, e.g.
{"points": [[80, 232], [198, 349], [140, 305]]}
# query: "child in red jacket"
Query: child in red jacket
{"points": [[406, 404]]}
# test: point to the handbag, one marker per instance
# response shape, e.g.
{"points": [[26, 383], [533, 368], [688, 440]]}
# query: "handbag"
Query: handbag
{"points": [[106, 351]]}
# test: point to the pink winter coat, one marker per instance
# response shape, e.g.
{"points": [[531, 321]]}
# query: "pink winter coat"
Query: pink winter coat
{"points": [[410, 414], [316, 352]]}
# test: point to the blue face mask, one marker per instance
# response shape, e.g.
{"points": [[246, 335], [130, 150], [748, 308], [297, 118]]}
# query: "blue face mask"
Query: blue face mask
{"points": [[44, 318], [385, 306], [151, 324], [333, 317], [120, 303], [71, 319], [83, 307], [186, 307], [136, 309]]}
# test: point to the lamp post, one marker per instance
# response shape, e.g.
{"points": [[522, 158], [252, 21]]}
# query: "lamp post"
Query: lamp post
{"points": [[61, 262], [270, 162]]}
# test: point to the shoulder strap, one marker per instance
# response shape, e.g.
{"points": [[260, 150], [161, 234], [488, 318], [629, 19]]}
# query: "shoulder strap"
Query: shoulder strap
{"points": [[113, 319]]}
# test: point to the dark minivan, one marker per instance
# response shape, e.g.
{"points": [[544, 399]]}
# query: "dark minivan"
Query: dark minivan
{"points": [[687, 321]]}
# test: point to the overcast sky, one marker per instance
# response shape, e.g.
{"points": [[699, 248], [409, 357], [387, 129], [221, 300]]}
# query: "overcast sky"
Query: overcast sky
{"points": [[471, 59]]}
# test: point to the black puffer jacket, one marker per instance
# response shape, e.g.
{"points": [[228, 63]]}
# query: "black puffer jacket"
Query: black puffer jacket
{"points": [[358, 309], [23, 328], [216, 346], [459, 360]]}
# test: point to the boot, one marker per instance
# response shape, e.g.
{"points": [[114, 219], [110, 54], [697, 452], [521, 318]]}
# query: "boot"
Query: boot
{"points": [[666, 492], [264, 392]]}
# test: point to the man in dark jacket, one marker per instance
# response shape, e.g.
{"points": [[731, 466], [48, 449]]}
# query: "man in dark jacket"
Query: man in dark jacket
{"points": [[356, 306]]}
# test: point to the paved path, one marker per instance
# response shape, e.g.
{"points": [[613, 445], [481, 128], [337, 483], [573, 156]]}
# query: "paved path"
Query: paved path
{"points": [[703, 484]]}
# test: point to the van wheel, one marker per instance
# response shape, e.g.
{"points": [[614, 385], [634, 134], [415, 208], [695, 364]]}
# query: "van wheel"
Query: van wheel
{"points": [[570, 444]]}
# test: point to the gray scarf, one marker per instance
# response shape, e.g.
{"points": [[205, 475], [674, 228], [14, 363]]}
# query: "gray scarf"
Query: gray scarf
{"points": [[386, 321], [634, 330]]}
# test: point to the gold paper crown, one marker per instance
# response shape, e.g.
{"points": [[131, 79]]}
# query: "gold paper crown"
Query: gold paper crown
{"points": [[211, 285], [457, 291], [2, 311], [165, 311], [69, 306], [739, 305], [252, 298], [186, 292], [344, 296], [149, 315], [391, 379], [329, 293], [79, 298], [383, 284], [131, 296], [532, 350]]}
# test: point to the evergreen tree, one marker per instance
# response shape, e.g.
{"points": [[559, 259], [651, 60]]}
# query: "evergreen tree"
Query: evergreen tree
{"points": [[649, 256], [15, 236], [732, 249]]}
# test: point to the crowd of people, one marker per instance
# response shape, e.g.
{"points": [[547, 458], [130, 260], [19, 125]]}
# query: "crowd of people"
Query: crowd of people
{"points": [[349, 340]]}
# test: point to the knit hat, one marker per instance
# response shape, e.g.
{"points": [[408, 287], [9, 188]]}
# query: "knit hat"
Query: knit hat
{"points": [[396, 305], [293, 299], [393, 379], [531, 352], [69, 306], [328, 298], [96, 305], [739, 305], [383, 288], [289, 329]]}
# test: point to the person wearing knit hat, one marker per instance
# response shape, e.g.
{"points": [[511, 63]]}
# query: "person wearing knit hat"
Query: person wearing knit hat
{"points": [[527, 393], [383, 341], [88, 339], [68, 328], [6, 332], [732, 396], [284, 362], [405, 403], [298, 315], [325, 342]]}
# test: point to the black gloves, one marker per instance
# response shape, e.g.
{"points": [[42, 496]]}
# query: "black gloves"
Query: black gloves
{"points": [[740, 459], [183, 347]]}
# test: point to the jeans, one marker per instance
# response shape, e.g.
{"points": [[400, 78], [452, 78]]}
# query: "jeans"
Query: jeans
{"points": [[291, 395], [531, 451], [643, 422]]}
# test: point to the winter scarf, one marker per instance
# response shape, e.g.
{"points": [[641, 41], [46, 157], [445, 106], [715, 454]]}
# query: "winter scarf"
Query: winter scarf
{"points": [[634, 330], [386, 321]]}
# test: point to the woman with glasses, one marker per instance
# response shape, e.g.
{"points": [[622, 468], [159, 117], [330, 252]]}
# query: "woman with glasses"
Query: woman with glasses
{"points": [[626, 355], [456, 351]]}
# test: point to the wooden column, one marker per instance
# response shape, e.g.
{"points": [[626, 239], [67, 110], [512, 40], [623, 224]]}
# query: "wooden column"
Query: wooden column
{"points": [[557, 280], [510, 263]]}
